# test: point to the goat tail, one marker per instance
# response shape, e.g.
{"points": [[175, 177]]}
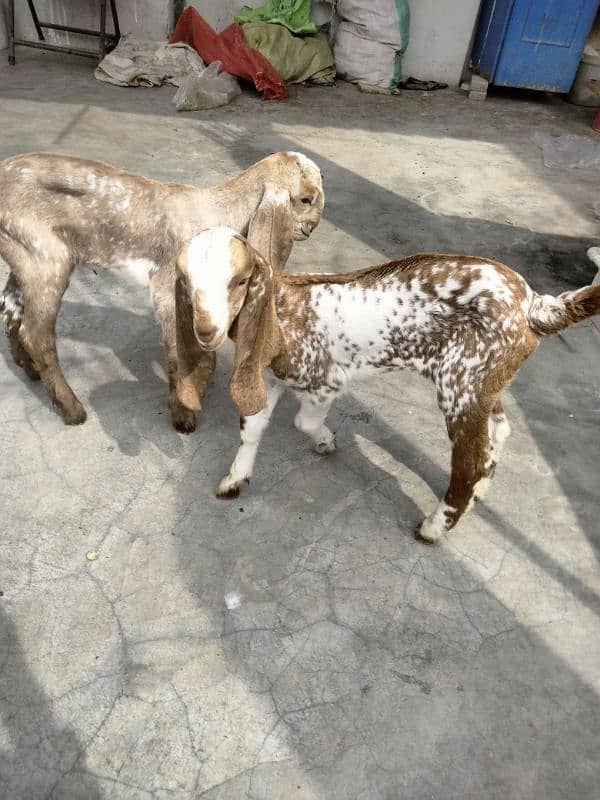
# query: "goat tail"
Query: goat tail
{"points": [[548, 314]]}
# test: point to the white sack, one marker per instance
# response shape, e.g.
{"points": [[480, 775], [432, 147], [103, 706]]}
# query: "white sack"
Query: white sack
{"points": [[363, 61], [137, 62], [370, 40], [376, 20]]}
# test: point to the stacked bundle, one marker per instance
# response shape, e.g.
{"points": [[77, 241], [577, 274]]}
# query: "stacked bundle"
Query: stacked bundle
{"points": [[283, 32], [269, 46]]}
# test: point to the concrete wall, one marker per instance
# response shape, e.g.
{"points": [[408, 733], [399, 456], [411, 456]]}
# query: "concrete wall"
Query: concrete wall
{"points": [[440, 38]]}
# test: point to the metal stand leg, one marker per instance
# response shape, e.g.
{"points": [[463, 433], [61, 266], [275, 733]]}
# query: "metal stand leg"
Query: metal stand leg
{"points": [[115, 18], [11, 32], [102, 28], [106, 40], [36, 21]]}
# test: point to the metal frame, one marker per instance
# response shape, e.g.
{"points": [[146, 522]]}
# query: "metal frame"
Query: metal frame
{"points": [[106, 43]]}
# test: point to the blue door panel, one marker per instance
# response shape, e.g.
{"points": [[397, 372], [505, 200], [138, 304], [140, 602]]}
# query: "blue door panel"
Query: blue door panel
{"points": [[548, 23], [544, 42], [535, 44], [491, 30]]}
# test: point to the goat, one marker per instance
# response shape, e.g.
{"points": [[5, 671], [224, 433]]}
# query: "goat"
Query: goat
{"points": [[466, 323], [59, 211]]}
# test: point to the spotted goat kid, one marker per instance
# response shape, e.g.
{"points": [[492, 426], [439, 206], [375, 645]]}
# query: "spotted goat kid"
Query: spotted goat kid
{"points": [[467, 323]]}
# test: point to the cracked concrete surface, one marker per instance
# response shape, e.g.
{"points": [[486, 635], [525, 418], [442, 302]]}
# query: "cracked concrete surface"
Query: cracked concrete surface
{"points": [[358, 664]]}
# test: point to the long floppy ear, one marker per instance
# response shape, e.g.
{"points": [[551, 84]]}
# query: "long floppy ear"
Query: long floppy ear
{"points": [[271, 229], [190, 386], [257, 339], [194, 366]]}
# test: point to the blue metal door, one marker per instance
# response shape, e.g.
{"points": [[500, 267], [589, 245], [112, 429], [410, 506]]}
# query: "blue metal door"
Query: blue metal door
{"points": [[535, 44]]}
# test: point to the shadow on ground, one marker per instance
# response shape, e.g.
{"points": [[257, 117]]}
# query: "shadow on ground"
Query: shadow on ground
{"points": [[37, 751]]}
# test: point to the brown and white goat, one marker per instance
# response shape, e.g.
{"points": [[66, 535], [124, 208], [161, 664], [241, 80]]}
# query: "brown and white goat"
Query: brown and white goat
{"points": [[58, 211], [466, 323]]}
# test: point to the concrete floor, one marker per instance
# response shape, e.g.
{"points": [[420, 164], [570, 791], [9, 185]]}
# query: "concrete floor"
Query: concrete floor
{"points": [[359, 664]]}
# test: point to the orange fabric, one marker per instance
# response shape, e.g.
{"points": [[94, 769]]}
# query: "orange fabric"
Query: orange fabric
{"points": [[230, 48]]}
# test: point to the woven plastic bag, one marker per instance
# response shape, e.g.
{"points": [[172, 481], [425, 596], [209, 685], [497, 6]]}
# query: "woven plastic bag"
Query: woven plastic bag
{"points": [[293, 14], [230, 48], [370, 41], [296, 58]]}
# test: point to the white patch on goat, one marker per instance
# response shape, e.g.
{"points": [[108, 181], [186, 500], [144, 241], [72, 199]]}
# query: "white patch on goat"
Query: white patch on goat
{"points": [[137, 268], [13, 306], [348, 310], [436, 524], [123, 204], [548, 310], [489, 279], [446, 290], [275, 194], [311, 421], [480, 490], [364, 325], [303, 160], [499, 431], [210, 271]]}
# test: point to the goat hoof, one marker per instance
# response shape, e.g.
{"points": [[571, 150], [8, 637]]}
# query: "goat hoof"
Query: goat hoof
{"points": [[183, 421], [228, 493], [31, 373], [422, 534], [324, 448], [29, 369], [75, 416]]}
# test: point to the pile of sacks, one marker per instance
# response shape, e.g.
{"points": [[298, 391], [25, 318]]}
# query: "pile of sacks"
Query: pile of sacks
{"points": [[283, 32], [269, 46], [370, 38]]}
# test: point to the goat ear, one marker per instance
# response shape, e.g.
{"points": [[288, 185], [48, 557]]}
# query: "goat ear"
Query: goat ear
{"points": [[271, 228], [257, 339]]}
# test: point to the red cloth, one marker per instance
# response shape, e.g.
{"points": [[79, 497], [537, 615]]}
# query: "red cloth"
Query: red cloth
{"points": [[230, 48]]}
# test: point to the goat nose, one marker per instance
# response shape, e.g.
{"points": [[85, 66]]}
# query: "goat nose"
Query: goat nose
{"points": [[205, 335]]}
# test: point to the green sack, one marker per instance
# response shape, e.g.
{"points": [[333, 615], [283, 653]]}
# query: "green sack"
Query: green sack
{"points": [[294, 14], [296, 58]]}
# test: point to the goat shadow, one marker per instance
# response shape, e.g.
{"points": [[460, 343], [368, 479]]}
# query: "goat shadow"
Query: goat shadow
{"points": [[300, 505], [349, 417], [131, 411]]}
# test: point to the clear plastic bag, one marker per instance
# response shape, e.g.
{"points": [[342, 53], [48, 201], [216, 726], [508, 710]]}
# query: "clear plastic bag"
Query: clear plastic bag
{"points": [[208, 88]]}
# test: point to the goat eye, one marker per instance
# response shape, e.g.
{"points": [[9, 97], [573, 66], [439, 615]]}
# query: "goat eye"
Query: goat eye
{"points": [[243, 282], [306, 200]]}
